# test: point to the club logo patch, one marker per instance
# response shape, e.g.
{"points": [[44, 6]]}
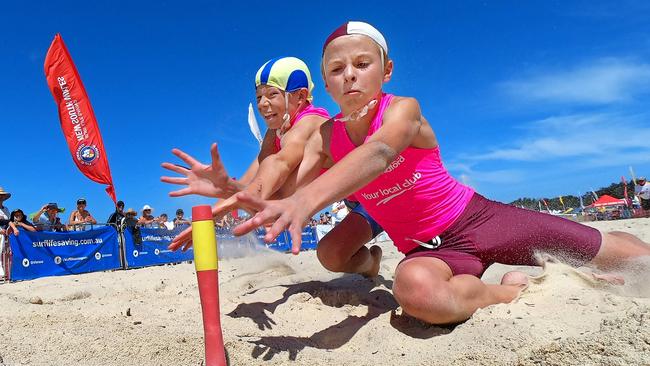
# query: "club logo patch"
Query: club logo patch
{"points": [[87, 155]]}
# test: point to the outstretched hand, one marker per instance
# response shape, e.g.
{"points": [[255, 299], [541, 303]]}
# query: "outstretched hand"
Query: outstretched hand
{"points": [[205, 180], [289, 213]]}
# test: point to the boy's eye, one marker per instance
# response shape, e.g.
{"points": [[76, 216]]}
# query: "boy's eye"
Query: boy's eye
{"points": [[362, 64]]}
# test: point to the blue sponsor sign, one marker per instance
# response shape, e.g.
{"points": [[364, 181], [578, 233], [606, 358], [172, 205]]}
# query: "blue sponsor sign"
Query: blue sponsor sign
{"points": [[309, 239], [153, 249], [283, 242], [45, 253]]}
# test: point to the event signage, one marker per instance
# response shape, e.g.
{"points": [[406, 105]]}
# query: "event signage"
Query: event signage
{"points": [[43, 253], [153, 248], [283, 242], [280, 243], [76, 115]]}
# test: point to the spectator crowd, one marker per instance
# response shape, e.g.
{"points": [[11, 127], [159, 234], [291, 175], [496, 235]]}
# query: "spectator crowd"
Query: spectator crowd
{"points": [[49, 218]]}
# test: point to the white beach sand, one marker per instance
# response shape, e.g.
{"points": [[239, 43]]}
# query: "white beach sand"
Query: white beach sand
{"points": [[280, 309]]}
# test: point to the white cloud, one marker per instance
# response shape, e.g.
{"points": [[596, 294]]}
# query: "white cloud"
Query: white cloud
{"points": [[471, 177], [598, 136], [601, 82]]}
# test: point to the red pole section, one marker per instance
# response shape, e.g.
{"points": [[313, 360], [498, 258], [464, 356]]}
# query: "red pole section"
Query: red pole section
{"points": [[206, 263]]}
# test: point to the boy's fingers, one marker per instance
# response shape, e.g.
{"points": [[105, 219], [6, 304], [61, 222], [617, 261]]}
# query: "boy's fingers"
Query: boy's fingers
{"points": [[185, 157], [216, 159], [250, 201], [175, 168], [244, 228], [181, 192], [174, 180], [278, 226], [219, 211], [174, 245], [181, 238], [296, 239]]}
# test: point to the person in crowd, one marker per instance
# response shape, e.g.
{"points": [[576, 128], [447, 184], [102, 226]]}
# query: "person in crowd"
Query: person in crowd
{"points": [[81, 219], [116, 217], [4, 211], [4, 226], [283, 89], [340, 211], [147, 219], [225, 222], [130, 218], [130, 222], [179, 220], [642, 191], [387, 155], [328, 218], [18, 220], [47, 218], [221, 224], [164, 223], [322, 220]]}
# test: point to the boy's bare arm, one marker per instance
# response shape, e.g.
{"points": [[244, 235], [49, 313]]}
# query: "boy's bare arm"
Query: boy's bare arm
{"points": [[316, 156], [401, 125], [267, 149], [275, 169]]}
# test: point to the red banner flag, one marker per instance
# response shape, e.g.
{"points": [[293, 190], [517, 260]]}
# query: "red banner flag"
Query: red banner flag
{"points": [[76, 115]]}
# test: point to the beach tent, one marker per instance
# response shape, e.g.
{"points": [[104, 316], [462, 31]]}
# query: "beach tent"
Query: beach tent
{"points": [[606, 200]]}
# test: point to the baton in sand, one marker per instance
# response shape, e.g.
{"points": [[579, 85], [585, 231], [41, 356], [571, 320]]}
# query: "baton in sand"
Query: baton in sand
{"points": [[206, 263]]}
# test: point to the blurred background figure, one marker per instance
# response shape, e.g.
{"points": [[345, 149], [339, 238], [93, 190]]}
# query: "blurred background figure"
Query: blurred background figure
{"points": [[117, 216], [179, 220], [81, 219]]}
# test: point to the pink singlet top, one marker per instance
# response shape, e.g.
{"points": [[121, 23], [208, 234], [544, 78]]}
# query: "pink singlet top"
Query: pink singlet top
{"points": [[415, 197], [309, 110]]}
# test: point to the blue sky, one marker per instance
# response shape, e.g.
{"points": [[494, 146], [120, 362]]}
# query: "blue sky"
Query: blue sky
{"points": [[536, 98]]}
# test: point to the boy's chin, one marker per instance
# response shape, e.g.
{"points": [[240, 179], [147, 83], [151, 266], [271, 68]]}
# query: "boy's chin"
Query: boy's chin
{"points": [[353, 105], [273, 125]]}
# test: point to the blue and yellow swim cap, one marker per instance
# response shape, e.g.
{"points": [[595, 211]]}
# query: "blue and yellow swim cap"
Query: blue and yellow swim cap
{"points": [[285, 73]]}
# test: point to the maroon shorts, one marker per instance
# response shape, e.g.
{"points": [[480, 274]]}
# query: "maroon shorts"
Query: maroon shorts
{"points": [[488, 232]]}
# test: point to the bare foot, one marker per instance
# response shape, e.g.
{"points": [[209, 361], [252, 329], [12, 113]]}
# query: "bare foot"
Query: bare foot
{"points": [[610, 278], [375, 254], [515, 278]]}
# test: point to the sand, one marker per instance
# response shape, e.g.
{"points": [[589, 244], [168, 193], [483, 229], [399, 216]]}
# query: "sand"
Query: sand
{"points": [[279, 309]]}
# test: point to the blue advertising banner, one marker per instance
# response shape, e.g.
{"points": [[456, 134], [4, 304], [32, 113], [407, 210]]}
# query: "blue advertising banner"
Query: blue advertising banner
{"points": [[280, 243], [309, 239], [283, 242], [45, 253], [153, 248]]}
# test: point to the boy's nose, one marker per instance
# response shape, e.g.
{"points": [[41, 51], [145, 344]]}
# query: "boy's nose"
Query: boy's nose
{"points": [[349, 74], [263, 101]]}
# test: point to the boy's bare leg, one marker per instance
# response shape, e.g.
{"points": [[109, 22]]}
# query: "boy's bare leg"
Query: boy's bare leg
{"points": [[343, 248], [426, 289], [617, 248]]}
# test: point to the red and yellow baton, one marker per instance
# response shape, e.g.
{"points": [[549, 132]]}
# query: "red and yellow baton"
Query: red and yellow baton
{"points": [[206, 263]]}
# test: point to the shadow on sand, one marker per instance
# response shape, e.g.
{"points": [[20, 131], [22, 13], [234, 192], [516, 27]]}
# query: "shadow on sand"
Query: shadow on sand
{"points": [[346, 290]]}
